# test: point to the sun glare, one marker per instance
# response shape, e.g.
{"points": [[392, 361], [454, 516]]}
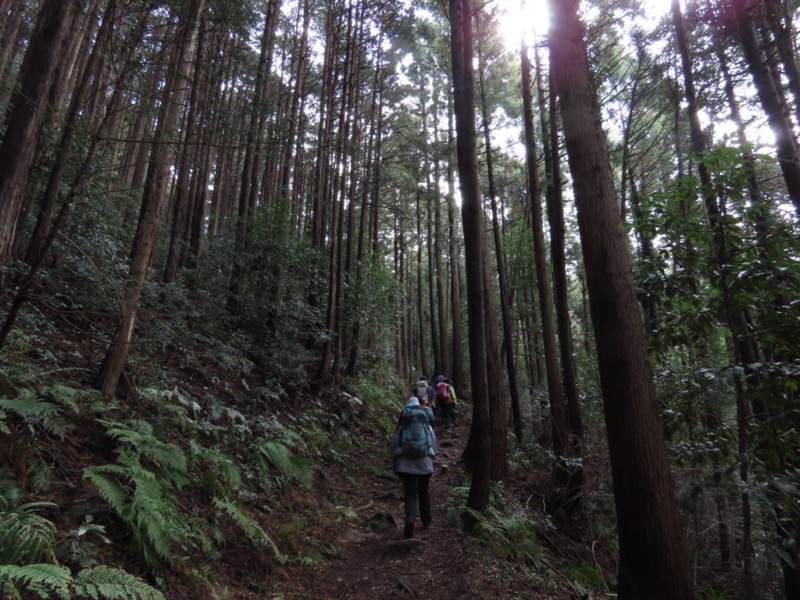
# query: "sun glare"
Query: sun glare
{"points": [[532, 18]]}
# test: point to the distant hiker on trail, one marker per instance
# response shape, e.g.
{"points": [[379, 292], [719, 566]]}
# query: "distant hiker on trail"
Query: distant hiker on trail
{"points": [[422, 402], [446, 401], [424, 392], [414, 446]]}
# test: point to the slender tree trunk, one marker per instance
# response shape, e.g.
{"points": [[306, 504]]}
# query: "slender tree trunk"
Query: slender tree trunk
{"points": [[653, 559], [555, 389], [152, 198], [372, 158], [439, 269], [458, 374], [771, 101], [782, 36], [422, 347], [249, 187], [188, 172], [499, 447], [8, 44]]}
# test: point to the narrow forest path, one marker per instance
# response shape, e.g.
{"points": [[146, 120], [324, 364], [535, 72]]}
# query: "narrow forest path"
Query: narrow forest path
{"points": [[369, 559]]}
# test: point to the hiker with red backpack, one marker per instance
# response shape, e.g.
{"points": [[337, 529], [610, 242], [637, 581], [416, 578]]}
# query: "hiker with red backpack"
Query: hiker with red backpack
{"points": [[445, 401], [414, 446]]}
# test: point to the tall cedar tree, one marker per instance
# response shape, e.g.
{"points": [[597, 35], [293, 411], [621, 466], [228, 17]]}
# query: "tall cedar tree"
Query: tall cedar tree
{"points": [[653, 560], [472, 219], [555, 390], [25, 117]]}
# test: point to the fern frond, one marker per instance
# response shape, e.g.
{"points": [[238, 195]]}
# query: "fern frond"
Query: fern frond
{"points": [[110, 489], [149, 509], [137, 437], [41, 577], [167, 456], [26, 537], [145, 504], [65, 396], [3, 425], [225, 466], [113, 584], [37, 412], [291, 466], [249, 527]]}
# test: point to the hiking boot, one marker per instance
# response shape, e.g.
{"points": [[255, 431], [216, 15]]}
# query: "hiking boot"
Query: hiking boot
{"points": [[408, 532]]}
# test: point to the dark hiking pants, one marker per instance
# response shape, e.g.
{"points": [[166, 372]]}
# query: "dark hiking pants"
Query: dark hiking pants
{"points": [[417, 487]]}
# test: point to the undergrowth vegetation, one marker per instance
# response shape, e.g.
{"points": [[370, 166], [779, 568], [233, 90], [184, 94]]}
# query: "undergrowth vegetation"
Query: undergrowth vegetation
{"points": [[118, 499]]}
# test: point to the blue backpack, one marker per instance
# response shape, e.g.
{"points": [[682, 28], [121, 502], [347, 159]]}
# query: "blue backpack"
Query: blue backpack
{"points": [[415, 439]]}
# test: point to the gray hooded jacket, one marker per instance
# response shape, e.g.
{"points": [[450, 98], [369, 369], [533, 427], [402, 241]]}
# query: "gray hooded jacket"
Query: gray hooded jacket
{"points": [[413, 466]]}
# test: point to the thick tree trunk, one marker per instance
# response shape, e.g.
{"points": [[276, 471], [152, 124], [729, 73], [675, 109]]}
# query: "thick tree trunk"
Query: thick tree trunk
{"points": [[555, 218], [79, 93], [653, 558], [25, 117], [472, 217]]}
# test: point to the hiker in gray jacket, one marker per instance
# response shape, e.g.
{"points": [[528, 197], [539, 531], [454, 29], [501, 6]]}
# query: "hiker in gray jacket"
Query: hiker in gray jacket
{"points": [[414, 470]]}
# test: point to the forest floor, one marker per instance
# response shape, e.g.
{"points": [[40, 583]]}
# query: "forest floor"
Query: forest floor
{"points": [[369, 559]]}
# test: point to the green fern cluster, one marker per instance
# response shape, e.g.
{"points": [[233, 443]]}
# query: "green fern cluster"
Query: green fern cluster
{"points": [[270, 456], [25, 536], [27, 539], [218, 468], [141, 487], [505, 526], [46, 580], [34, 412], [136, 441]]}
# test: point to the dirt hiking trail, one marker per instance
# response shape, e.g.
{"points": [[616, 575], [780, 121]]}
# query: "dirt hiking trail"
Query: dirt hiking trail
{"points": [[369, 559]]}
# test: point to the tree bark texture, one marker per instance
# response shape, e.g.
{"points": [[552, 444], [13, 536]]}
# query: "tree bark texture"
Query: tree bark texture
{"points": [[25, 117], [472, 218], [653, 559]]}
